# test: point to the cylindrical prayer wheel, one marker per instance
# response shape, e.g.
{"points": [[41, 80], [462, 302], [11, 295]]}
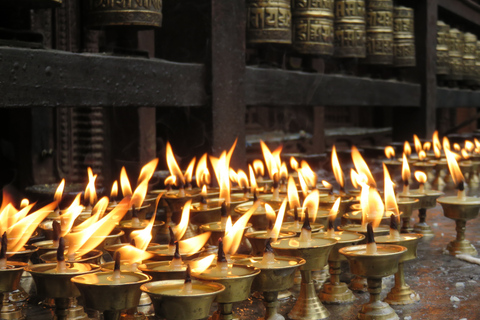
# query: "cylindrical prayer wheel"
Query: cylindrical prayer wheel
{"points": [[350, 29], [313, 26], [455, 54], [469, 56], [136, 13], [379, 32], [269, 21], [443, 61], [403, 37]]}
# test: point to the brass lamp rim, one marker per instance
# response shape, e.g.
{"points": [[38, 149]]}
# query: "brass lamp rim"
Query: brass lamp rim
{"points": [[257, 234], [327, 243], [350, 236], [347, 227], [427, 193], [83, 279], [253, 272], [214, 286], [211, 227], [196, 207], [241, 210], [403, 237], [468, 201], [359, 250], [182, 254], [15, 264], [38, 269], [123, 226], [27, 249], [51, 256], [299, 262], [149, 267]]}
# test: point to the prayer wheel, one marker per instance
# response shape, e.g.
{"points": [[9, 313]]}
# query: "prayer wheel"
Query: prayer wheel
{"points": [[350, 29], [403, 37], [313, 26], [140, 14], [380, 32], [443, 65], [469, 56], [269, 21], [455, 54]]}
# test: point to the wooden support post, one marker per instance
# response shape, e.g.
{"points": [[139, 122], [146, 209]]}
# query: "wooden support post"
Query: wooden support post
{"points": [[147, 135], [228, 73]]}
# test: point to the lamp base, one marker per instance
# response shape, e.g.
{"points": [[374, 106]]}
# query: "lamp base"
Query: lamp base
{"points": [[308, 306], [424, 229], [461, 246], [377, 310], [358, 284], [336, 294], [402, 295]]}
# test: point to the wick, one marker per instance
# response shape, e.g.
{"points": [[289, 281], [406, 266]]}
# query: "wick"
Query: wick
{"points": [[371, 244], [61, 264], [187, 286], [461, 190], [331, 229], [116, 270], [3, 252], [306, 233]]}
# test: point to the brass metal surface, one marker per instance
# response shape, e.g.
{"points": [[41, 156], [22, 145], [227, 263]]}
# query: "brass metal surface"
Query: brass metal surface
{"points": [[350, 33], [313, 27], [403, 37], [443, 65], [406, 207], [90, 257], [176, 307], [455, 53], [258, 238], [158, 275], [10, 277], [469, 56], [269, 21], [380, 32]]}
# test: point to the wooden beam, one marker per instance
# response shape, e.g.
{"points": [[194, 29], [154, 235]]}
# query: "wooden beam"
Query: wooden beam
{"points": [[32, 78], [462, 8], [457, 98], [228, 75]]}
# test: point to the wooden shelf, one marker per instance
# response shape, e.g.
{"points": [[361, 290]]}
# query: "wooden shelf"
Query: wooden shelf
{"points": [[293, 88], [57, 78], [457, 98], [464, 8]]}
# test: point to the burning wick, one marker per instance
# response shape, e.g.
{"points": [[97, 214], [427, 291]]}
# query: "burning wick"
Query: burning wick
{"points": [[405, 186], [461, 190], [181, 189], [172, 243], [295, 217], [421, 187], [276, 190], [135, 220], [394, 234], [3, 252], [223, 214], [306, 233], [255, 198], [331, 229], [187, 286], [270, 227], [116, 270], [268, 255], [371, 245], [61, 264], [203, 203], [57, 230], [222, 263], [176, 263]]}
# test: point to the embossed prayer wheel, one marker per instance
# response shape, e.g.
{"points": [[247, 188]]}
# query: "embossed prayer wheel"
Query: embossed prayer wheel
{"points": [[469, 56], [403, 37], [269, 21], [313, 26], [455, 54], [350, 33], [443, 61], [141, 14], [380, 32]]}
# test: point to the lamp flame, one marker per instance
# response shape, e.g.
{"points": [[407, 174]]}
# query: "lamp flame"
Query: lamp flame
{"points": [[72, 212], [125, 183], [417, 143], [133, 255], [25, 202], [194, 244], [389, 152], [293, 163], [327, 185], [114, 192], [292, 194], [389, 192], [90, 192], [465, 154], [232, 238], [407, 149], [406, 174], [253, 180], [420, 176], [242, 179], [337, 169], [354, 178], [437, 146], [279, 220], [453, 167], [308, 174], [59, 191], [469, 145], [200, 265], [334, 210], [270, 212], [456, 147], [139, 194], [181, 228], [374, 207], [232, 175], [143, 237], [427, 145], [170, 181], [97, 213], [446, 143], [422, 155], [283, 171], [202, 174], [311, 204], [303, 184], [259, 167], [222, 172], [173, 166], [189, 172], [361, 166]]}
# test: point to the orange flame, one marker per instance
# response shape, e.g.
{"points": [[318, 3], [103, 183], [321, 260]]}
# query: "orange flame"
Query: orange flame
{"points": [[427, 146], [125, 183], [173, 166], [270, 213], [311, 203], [455, 172], [133, 255], [201, 173], [181, 228], [361, 167], [147, 171], [14, 215], [97, 213], [170, 181], [417, 143], [259, 167], [25, 202], [253, 180], [221, 167], [303, 184], [327, 185], [189, 172], [477, 143], [389, 152], [405, 169], [437, 146], [90, 192], [292, 193], [242, 179], [72, 212], [200, 265], [465, 154], [420, 176], [374, 207], [389, 190], [19, 233], [84, 241], [114, 192], [422, 155], [232, 175], [232, 238], [354, 178], [456, 147], [59, 191], [308, 174], [283, 171], [143, 237], [337, 169], [469, 145], [293, 163], [139, 194], [446, 143], [334, 210], [194, 244], [407, 149], [270, 160], [279, 220]]}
